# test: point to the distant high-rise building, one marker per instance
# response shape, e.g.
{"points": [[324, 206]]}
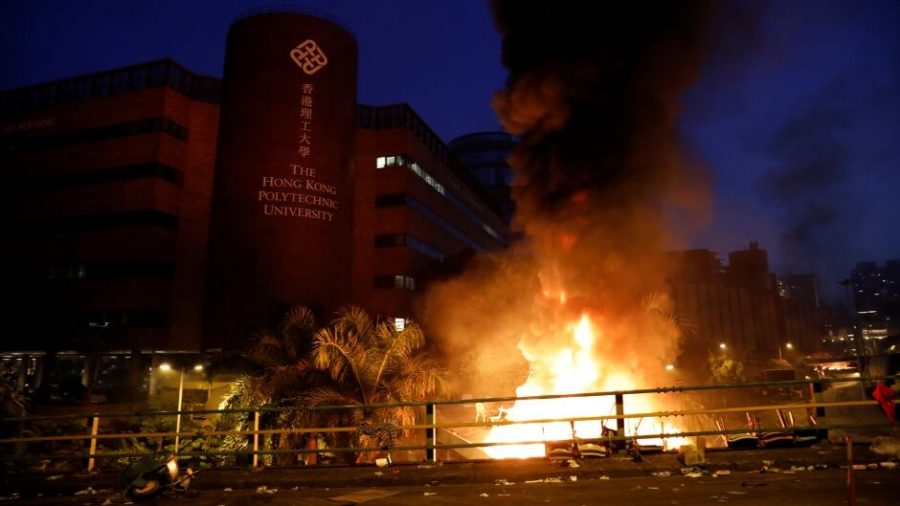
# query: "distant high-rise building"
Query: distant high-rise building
{"points": [[803, 312], [876, 300], [738, 308]]}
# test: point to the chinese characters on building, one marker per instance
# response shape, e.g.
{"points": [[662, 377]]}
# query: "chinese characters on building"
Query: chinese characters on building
{"points": [[298, 192]]}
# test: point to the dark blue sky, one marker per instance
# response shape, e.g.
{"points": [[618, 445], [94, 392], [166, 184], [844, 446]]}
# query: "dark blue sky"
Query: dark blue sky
{"points": [[797, 113]]}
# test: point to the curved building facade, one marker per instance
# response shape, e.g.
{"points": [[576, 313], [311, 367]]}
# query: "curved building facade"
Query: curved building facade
{"points": [[485, 155], [281, 227]]}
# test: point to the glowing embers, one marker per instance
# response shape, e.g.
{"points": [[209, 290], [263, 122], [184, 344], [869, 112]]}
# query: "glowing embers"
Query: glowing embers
{"points": [[574, 368]]}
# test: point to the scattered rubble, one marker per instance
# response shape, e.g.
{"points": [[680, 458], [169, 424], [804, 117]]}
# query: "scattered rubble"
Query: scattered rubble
{"points": [[886, 445], [87, 491]]}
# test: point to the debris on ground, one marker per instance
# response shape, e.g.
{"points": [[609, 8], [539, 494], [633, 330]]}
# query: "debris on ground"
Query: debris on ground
{"points": [[721, 472], [736, 492], [262, 489], [483, 494], [886, 445], [54, 477], [753, 484], [87, 491], [661, 474], [573, 478], [227, 489], [502, 481], [888, 465], [429, 493], [604, 477], [693, 472], [572, 463]]}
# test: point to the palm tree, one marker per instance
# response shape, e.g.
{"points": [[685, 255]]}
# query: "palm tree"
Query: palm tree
{"points": [[371, 362], [282, 375], [355, 361]]}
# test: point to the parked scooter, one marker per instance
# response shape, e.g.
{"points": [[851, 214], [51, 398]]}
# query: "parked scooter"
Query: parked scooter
{"points": [[149, 477]]}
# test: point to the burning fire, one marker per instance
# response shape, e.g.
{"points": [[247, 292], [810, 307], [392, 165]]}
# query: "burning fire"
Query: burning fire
{"points": [[572, 369]]}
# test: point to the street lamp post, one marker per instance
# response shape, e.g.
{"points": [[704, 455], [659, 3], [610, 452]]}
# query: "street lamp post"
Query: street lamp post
{"points": [[166, 367]]}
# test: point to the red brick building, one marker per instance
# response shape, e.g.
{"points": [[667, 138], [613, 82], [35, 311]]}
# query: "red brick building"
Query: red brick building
{"points": [[106, 188], [417, 209], [106, 200]]}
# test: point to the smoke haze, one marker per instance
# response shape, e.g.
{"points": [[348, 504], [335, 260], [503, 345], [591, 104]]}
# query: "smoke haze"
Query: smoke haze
{"points": [[594, 99]]}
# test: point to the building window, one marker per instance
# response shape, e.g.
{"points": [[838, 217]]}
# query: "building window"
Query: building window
{"points": [[396, 281], [407, 282], [401, 160], [385, 241], [390, 200], [399, 324]]}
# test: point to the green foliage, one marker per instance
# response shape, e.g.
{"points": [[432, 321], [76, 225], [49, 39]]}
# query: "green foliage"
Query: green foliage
{"points": [[354, 361], [724, 368]]}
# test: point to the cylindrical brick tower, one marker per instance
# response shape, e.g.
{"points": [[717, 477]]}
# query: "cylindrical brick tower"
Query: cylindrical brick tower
{"points": [[281, 227]]}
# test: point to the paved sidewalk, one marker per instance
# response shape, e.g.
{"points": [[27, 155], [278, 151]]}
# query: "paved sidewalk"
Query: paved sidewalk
{"points": [[823, 454]]}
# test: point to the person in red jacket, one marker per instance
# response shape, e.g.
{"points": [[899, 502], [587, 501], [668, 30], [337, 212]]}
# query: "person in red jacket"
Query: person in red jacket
{"points": [[884, 394]]}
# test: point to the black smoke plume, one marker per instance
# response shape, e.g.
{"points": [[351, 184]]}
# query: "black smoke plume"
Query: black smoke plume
{"points": [[593, 95]]}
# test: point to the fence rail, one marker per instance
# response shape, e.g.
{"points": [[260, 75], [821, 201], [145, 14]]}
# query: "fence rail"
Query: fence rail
{"points": [[427, 441]]}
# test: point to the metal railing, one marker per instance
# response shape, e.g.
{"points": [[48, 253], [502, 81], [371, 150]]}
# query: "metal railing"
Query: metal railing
{"points": [[426, 443]]}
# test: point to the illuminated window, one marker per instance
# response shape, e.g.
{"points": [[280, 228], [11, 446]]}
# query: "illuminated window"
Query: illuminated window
{"points": [[396, 281], [380, 162], [399, 324]]}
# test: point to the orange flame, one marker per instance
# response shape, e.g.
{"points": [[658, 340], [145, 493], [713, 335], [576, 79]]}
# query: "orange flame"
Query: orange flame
{"points": [[570, 370]]}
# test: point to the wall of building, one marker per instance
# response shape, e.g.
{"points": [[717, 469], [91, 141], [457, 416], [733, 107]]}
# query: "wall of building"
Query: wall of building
{"points": [[281, 227], [106, 197], [737, 305], [407, 189]]}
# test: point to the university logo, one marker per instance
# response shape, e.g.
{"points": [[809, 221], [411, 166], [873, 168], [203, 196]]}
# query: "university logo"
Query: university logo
{"points": [[309, 57]]}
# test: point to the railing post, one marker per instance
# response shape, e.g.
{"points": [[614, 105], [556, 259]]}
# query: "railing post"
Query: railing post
{"points": [[430, 433], [255, 440], [619, 444], [851, 479], [95, 428], [818, 415]]}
